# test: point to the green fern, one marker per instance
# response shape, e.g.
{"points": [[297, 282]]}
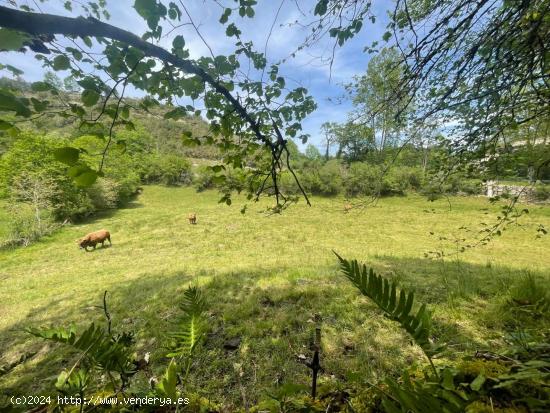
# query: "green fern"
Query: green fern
{"points": [[73, 382], [95, 345], [167, 387], [396, 304], [192, 326], [424, 396]]}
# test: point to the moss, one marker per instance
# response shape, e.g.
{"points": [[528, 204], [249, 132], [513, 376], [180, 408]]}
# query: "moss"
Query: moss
{"points": [[489, 368]]}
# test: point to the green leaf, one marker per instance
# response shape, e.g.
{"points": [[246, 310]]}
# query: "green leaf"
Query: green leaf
{"points": [[67, 155], [378, 290], [478, 382], [41, 86], [86, 179], [9, 102], [151, 11], [77, 169], [179, 42], [61, 62], [232, 30], [448, 379], [39, 105], [321, 8], [87, 41], [11, 39], [175, 114], [89, 97], [5, 125], [225, 16], [167, 385]]}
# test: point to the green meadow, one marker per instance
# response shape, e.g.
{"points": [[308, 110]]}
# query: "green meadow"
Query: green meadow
{"points": [[266, 278]]}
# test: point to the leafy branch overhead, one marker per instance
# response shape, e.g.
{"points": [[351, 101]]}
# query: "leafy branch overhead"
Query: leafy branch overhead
{"points": [[248, 117]]}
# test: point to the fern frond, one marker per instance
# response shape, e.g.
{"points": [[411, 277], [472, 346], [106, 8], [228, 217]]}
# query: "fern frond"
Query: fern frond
{"points": [[95, 344], [424, 396], [396, 304], [193, 302], [192, 326], [167, 386]]}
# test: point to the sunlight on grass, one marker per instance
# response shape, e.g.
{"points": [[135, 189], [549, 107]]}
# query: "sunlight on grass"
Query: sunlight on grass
{"points": [[265, 278]]}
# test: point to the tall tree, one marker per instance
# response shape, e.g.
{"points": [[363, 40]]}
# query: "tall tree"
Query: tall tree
{"points": [[329, 130], [355, 141], [374, 98], [480, 66]]}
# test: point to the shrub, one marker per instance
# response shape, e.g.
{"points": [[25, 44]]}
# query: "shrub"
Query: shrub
{"points": [[235, 180], [167, 170], [27, 225], [542, 192], [204, 178], [470, 186], [34, 154], [288, 183], [325, 180], [104, 194], [362, 179]]}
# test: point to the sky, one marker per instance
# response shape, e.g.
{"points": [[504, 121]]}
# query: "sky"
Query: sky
{"points": [[306, 69]]}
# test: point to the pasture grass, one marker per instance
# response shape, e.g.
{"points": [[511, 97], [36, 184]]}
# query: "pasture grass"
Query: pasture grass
{"points": [[266, 278]]}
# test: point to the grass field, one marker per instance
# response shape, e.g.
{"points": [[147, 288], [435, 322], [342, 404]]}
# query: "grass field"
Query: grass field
{"points": [[265, 277]]}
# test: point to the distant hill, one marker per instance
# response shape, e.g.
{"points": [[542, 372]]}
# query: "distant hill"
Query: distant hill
{"points": [[166, 134]]}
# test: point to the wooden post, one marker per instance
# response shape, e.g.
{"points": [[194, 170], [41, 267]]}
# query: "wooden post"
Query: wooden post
{"points": [[315, 364]]}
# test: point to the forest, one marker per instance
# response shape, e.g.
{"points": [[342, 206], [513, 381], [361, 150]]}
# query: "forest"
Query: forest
{"points": [[327, 206]]}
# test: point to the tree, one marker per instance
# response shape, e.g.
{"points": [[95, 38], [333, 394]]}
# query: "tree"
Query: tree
{"points": [[373, 96], [313, 153], [53, 80], [480, 67], [329, 132], [70, 84], [262, 118], [355, 141], [36, 191]]}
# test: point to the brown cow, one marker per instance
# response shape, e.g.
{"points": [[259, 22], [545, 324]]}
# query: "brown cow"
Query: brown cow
{"points": [[94, 238], [192, 218]]}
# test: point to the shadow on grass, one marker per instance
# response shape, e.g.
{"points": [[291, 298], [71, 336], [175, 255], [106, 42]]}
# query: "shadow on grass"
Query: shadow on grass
{"points": [[272, 313], [110, 213]]}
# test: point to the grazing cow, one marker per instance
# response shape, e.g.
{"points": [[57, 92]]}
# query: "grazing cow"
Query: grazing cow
{"points": [[94, 238], [347, 207], [192, 218]]}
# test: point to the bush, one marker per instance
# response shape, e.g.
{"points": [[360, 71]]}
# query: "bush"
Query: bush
{"points": [[235, 180], [288, 184], [104, 194], [33, 155], [204, 178], [325, 180], [167, 170], [362, 179], [542, 192], [470, 186], [26, 225]]}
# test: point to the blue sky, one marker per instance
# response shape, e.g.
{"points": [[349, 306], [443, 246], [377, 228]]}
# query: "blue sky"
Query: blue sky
{"points": [[305, 69]]}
